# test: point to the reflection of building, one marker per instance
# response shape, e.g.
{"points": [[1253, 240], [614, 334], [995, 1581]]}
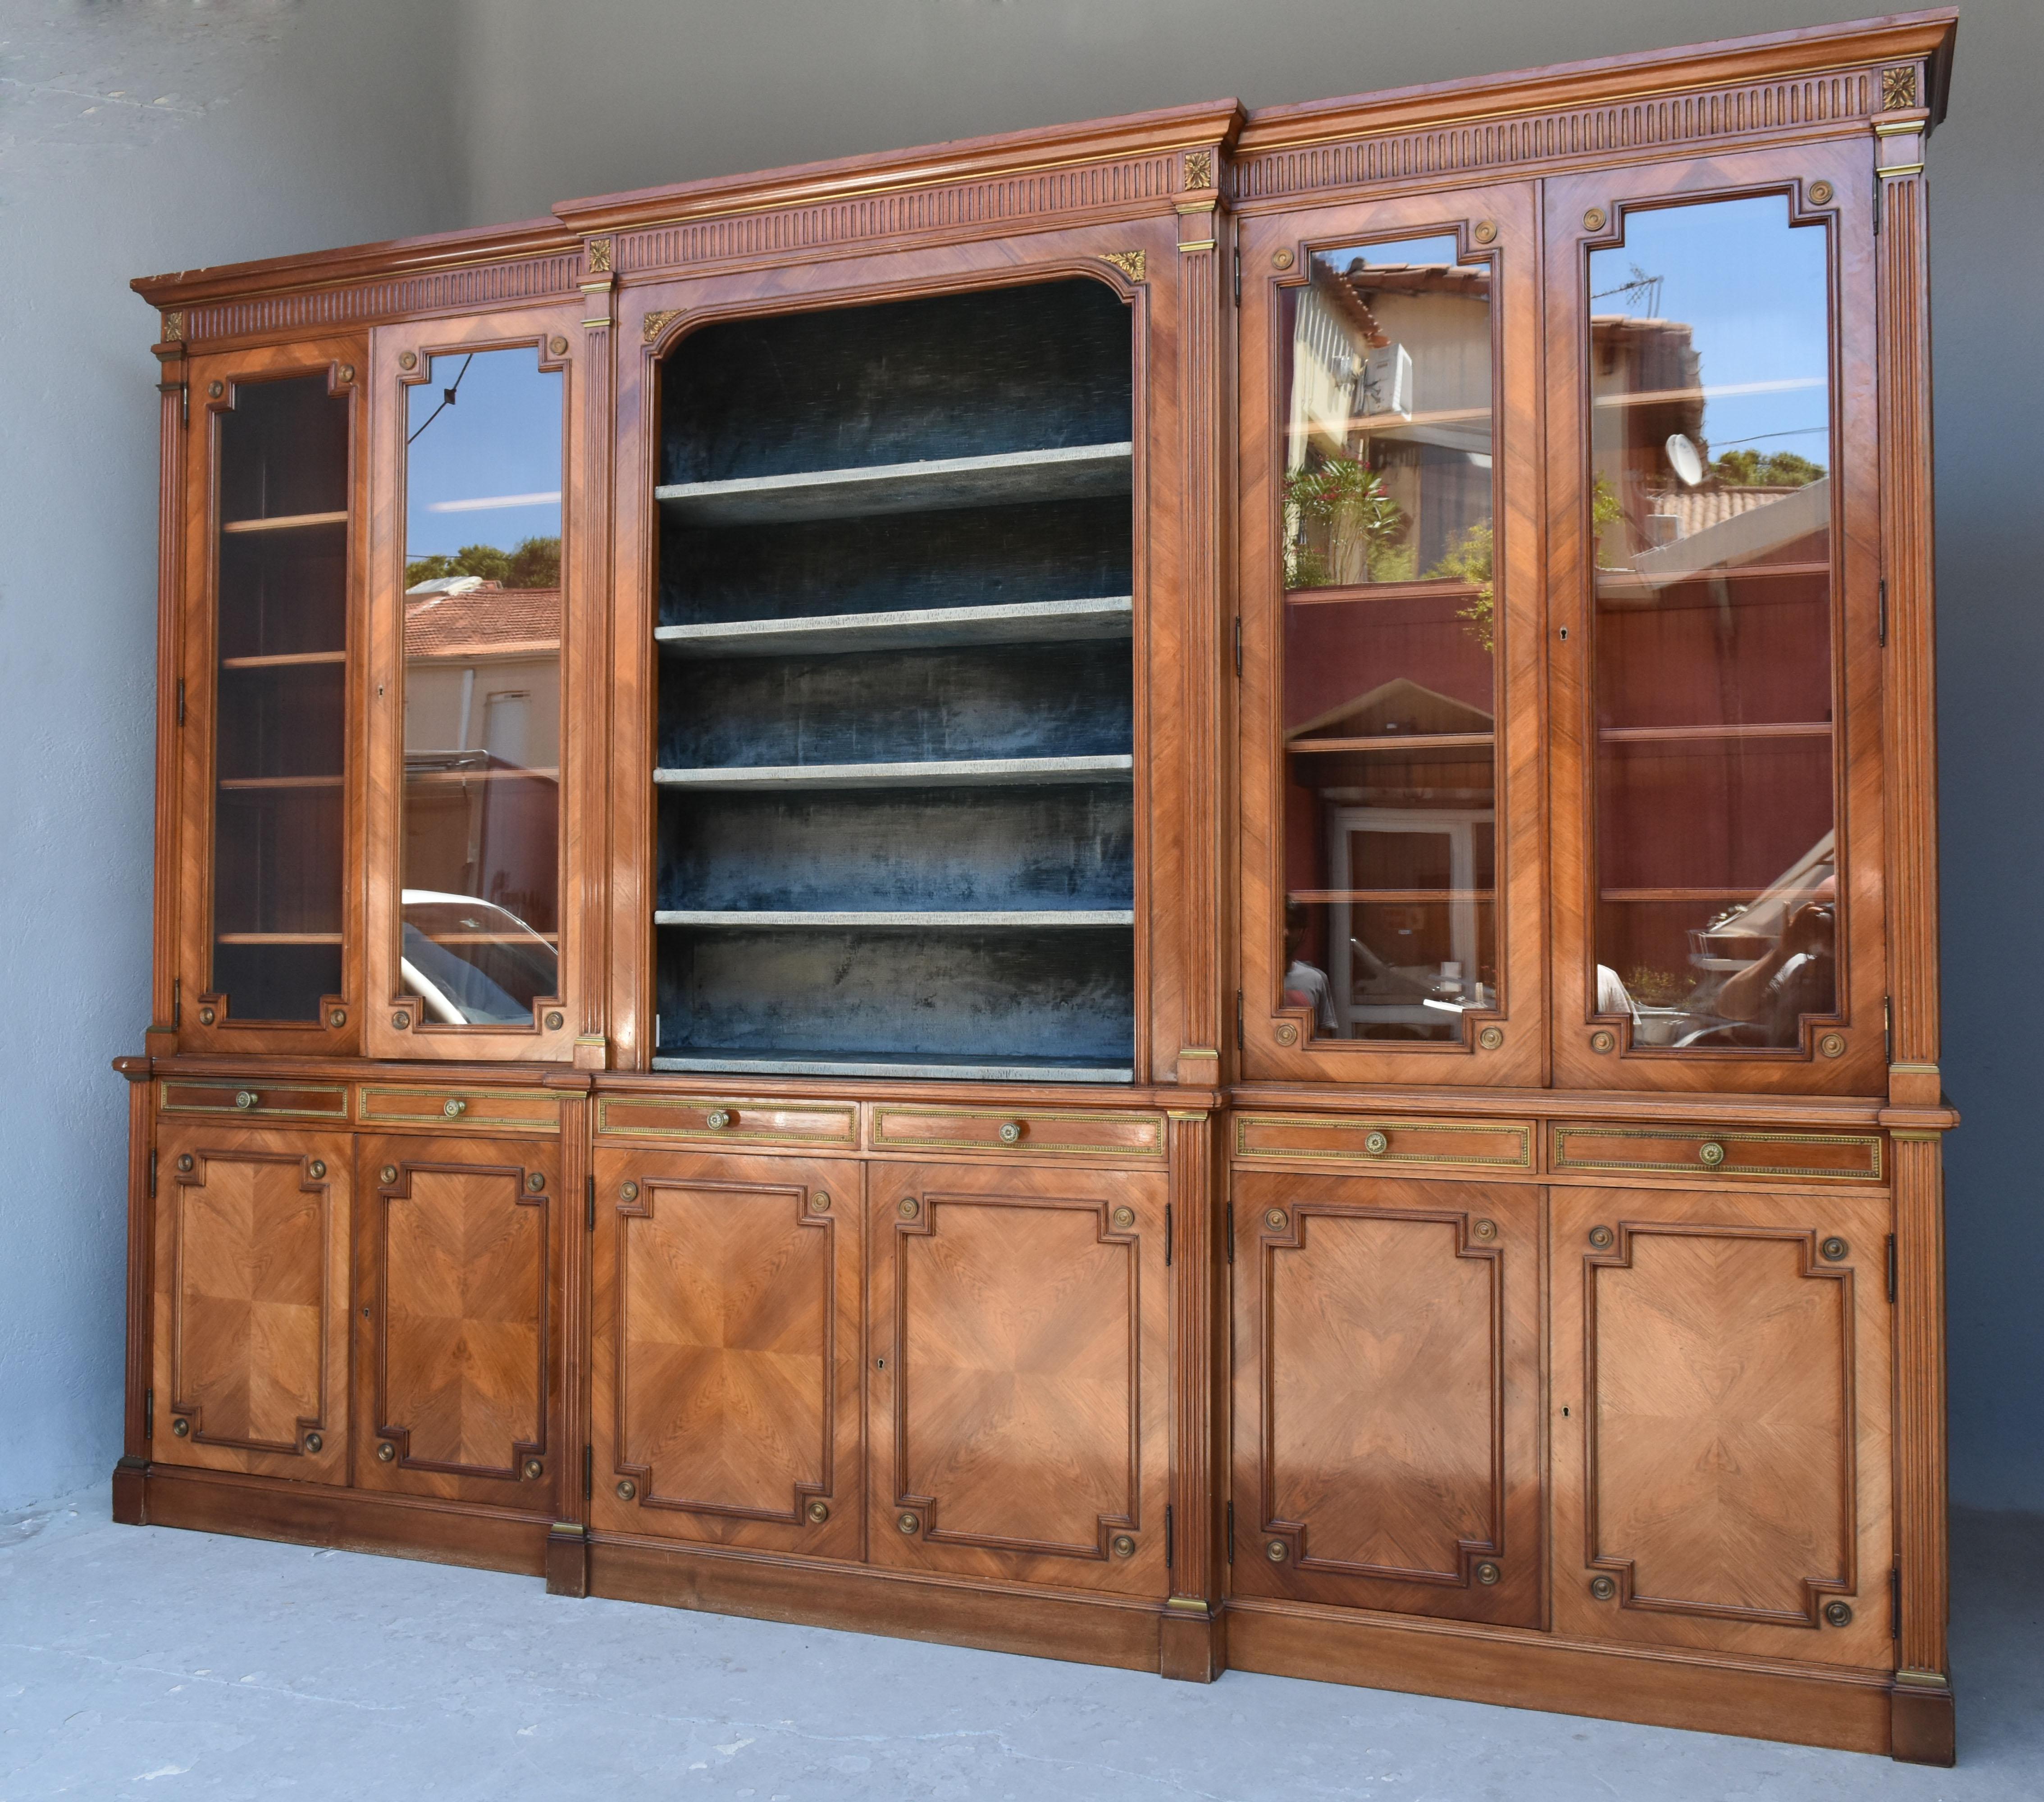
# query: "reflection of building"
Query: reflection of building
{"points": [[482, 743]]}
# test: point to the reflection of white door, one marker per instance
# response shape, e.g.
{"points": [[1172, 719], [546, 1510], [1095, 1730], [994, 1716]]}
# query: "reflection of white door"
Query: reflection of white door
{"points": [[1457, 828], [506, 725]]}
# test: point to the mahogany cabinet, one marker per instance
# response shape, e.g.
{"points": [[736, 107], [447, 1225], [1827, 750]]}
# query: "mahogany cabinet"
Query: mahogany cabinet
{"points": [[1161, 892]]}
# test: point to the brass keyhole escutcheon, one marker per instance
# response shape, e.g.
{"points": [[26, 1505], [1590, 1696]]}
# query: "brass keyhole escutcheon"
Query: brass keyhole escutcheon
{"points": [[1285, 1033], [1277, 1219], [908, 1207], [1485, 1229], [555, 1022], [1125, 1218], [454, 1108], [1603, 1588], [1491, 1038], [908, 1523], [181, 1428], [400, 1019], [1124, 1546], [184, 1162], [719, 1118], [205, 1016], [820, 1202], [536, 1181], [819, 1511], [246, 1097], [1601, 1042], [627, 1191], [1277, 1552], [1487, 1574], [313, 1442], [1011, 1132], [627, 1490], [534, 1469], [388, 1173], [1834, 1250], [1710, 1154], [1375, 1145], [1602, 1237], [387, 1453], [1839, 1614], [316, 1168]]}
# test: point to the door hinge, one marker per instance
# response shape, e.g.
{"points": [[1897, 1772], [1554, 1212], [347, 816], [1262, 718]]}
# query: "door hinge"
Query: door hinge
{"points": [[1238, 1019], [177, 1001], [1238, 645], [588, 1471], [1887, 1029], [1170, 1539], [148, 1414], [1884, 610], [1231, 1529], [1891, 1266], [1876, 199], [1230, 1210], [1167, 1235], [1895, 1601], [589, 1220], [152, 1177], [181, 700], [1238, 278]]}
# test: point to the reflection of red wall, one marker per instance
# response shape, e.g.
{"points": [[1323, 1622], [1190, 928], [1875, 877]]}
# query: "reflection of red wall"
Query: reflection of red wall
{"points": [[1336, 651], [1739, 652]]}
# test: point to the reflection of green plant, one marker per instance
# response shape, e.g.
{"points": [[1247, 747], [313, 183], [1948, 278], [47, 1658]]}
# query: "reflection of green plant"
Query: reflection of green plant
{"points": [[1606, 509], [1469, 560], [1655, 988], [1354, 509], [1777, 469], [535, 564]]}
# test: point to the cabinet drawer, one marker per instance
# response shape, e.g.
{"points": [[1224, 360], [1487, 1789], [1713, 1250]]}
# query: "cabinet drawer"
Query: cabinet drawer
{"points": [[1031, 1131], [257, 1100], [1361, 1139], [1839, 1157], [484, 1110], [712, 1119]]}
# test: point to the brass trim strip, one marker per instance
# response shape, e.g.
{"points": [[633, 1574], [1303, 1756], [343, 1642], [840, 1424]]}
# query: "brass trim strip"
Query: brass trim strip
{"points": [[1030, 1118], [1360, 1124]]}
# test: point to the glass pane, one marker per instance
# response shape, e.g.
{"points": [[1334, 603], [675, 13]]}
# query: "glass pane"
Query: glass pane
{"points": [[279, 748], [1711, 502], [483, 688], [1388, 666]]}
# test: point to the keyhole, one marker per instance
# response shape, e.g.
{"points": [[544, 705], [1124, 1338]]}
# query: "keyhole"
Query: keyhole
{"points": [[1564, 1413], [880, 1363], [1565, 635]]}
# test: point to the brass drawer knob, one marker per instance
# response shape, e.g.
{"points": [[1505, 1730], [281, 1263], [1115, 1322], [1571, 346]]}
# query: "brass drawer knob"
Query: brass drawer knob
{"points": [[1487, 1574], [387, 1453], [627, 1490], [1602, 1237], [1710, 1154], [627, 1191], [1276, 1219], [181, 1428], [1839, 1614], [1124, 1546], [1603, 1588], [1601, 1042], [1375, 1145], [246, 1097], [1834, 1250], [820, 1202], [401, 1020], [317, 1169], [908, 1207], [454, 1107], [1491, 1038], [388, 1173], [555, 1022], [534, 1469], [313, 1442], [536, 1181], [908, 1523], [819, 1511], [1277, 1552], [206, 1016], [1125, 1218], [336, 1019], [1483, 1229], [1011, 1132], [186, 1162], [717, 1119]]}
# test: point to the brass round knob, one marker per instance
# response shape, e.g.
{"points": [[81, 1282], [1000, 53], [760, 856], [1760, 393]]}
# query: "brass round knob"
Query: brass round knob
{"points": [[627, 1490], [1285, 1033], [1603, 1588], [1491, 1038], [1710, 1154], [184, 1162], [1125, 1218], [246, 1097], [1277, 1219], [388, 1173], [387, 1453], [215, 389], [1487, 1574], [718, 1119], [534, 1469], [338, 1018], [820, 1202], [313, 1442], [1277, 1552], [1834, 1250], [1832, 1045], [908, 1207], [536, 1181], [558, 345], [1839, 1614], [1011, 1132], [1375, 1145], [408, 359], [346, 372], [400, 1019], [316, 1168], [181, 1428], [1124, 1546], [1281, 260], [819, 1511], [1602, 1237], [1601, 1042], [206, 1016], [454, 1107], [1593, 220], [629, 1191], [1819, 193], [1486, 230], [555, 1020], [908, 1523], [1485, 1229]]}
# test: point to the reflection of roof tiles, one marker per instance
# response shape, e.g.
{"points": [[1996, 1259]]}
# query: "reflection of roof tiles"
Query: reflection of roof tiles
{"points": [[483, 622], [1697, 508]]}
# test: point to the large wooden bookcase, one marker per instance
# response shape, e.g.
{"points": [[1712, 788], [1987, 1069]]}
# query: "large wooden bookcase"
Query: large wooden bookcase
{"points": [[1162, 892]]}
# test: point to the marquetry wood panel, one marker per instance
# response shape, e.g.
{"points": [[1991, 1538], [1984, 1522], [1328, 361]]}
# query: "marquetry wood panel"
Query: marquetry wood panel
{"points": [[1721, 1429], [1387, 1403], [1021, 1133], [739, 1122], [1017, 1387], [726, 1356], [458, 1255], [251, 1329]]}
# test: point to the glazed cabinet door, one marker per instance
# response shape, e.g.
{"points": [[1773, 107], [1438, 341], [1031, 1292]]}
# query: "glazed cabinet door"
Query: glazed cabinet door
{"points": [[266, 841], [458, 1356], [1393, 898], [1387, 1395], [1017, 1382], [725, 1361], [476, 862], [1721, 1422], [1718, 908], [251, 1313]]}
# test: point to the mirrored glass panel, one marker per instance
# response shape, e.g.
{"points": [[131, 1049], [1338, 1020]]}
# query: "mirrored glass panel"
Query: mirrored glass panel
{"points": [[279, 746], [1710, 514], [1390, 684], [482, 701]]}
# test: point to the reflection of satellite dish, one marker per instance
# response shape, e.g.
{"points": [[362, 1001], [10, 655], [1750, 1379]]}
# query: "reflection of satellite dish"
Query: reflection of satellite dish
{"points": [[1685, 459]]}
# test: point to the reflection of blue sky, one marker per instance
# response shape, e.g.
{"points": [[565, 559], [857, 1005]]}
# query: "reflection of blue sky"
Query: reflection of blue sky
{"points": [[501, 438], [1441, 250], [1752, 287]]}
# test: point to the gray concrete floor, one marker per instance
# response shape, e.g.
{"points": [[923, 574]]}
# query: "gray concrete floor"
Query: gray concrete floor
{"points": [[131, 1658]]}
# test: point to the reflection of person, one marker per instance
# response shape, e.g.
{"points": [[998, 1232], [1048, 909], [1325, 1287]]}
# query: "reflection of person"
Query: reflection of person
{"points": [[1306, 985], [1799, 976]]}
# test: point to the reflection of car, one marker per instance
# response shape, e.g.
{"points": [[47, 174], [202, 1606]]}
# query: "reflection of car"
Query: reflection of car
{"points": [[472, 963]]}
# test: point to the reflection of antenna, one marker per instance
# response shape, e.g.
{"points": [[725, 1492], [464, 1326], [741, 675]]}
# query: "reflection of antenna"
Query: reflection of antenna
{"points": [[447, 397], [1642, 288]]}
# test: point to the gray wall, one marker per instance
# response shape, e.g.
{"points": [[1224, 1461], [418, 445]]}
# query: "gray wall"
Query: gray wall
{"points": [[346, 119]]}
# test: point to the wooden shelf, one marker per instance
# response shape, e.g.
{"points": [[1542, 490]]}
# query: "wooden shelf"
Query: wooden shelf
{"points": [[286, 522], [1398, 741], [1027, 621], [1438, 587], [289, 660], [451, 778], [1408, 896], [905, 1064], [960, 773], [1749, 893], [276, 938], [743, 918], [1074, 474], [1711, 735], [245, 784]]}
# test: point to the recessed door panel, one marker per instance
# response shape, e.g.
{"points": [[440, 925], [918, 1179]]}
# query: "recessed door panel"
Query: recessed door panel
{"points": [[1017, 1379], [1721, 1471], [460, 1367], [726, 1353], [252, 1302], [1386, 1382]]}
